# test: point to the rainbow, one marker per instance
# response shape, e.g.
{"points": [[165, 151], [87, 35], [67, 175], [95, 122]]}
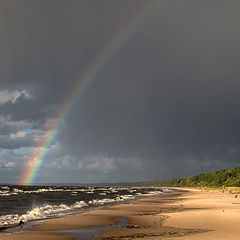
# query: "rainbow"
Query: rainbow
{"points": [[37, 158]]}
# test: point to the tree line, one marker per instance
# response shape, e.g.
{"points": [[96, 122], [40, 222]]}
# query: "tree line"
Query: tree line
{"points": [[229, 177]]}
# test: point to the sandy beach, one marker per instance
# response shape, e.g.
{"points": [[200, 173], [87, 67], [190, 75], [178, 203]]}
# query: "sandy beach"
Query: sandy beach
{"points": [[182, 214]]}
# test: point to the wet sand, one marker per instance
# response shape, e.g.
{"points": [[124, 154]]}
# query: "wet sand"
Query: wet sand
{"points": [[179, 215]]}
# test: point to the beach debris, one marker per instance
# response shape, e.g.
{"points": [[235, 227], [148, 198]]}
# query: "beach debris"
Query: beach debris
{"points": [[132, 226], [236, 196], [21, 223]]}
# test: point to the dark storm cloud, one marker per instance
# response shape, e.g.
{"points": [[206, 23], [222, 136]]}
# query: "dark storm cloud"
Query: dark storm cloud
{"points": [[69, 34], [9, 143], [165, 104], [45, 47], [171, 95], [26, 109]]}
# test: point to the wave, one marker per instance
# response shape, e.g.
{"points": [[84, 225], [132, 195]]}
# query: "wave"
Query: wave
{"points": [[111, 200], [47, 211], [41, 212], [7, 192]]}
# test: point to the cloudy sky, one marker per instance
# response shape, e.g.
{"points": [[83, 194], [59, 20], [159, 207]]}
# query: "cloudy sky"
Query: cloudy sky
{"points": [[165, 104]]}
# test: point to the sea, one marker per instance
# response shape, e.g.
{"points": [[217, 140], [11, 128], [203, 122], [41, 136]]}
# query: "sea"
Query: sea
{"points": [[32, 204]]}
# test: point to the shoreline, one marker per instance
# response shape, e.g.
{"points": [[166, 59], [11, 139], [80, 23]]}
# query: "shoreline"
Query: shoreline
{"points": [[17, 227], [47, 202], [184, 214], [101, 217]]}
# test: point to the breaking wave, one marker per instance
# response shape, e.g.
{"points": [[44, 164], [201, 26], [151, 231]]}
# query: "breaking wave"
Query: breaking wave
{"points": [[42, 212], [39, 203]]}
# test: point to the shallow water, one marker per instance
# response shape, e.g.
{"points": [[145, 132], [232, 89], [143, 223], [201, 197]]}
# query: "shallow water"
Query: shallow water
{"points": [[91, 232]]}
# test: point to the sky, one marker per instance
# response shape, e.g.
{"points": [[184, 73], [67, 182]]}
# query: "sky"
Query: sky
{"points": [[164, 104]]}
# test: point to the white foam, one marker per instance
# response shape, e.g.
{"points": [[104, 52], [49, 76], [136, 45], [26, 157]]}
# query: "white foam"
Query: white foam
{"points": [[9, 219], [79, 204], [102, 193], [7, 193], [40, 213], [44, 211], [102, 201], [16, 190], [119, 198]]}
